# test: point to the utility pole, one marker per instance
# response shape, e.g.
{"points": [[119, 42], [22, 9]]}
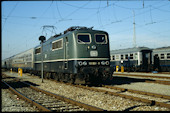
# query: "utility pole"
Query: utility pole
{"points": [[134, 33], [42, 39]]}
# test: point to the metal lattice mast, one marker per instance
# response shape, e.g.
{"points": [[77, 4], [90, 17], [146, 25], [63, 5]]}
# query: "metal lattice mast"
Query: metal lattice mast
{"points": [[134, 33]]}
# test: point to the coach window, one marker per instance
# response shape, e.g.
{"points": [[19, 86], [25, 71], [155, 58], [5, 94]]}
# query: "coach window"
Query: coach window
{"points": [[121, 57], [84, 38], [117, 57], [101, 39], [113, 57], [126, 56], [168, 55], [131, 56], [136, 56], [58, 44], [38, 51], [162, 56], [156, 55]]}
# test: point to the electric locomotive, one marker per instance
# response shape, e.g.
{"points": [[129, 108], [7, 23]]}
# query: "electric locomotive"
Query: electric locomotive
{"points": [[81, 55]]}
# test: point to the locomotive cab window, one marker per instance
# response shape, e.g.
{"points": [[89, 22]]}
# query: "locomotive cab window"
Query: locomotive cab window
{"points": [[101, 39], [58, 44], [83, 38]]}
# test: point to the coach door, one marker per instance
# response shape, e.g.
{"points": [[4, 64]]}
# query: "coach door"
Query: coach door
{"points": [[146, 59], [66, 53]]}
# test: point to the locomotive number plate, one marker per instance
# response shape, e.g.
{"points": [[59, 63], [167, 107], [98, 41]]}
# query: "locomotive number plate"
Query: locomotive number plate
{"points": [[93, 53]]}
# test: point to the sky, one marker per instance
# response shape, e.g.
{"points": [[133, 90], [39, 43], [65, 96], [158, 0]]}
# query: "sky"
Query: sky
{"points": [[22, 22]]}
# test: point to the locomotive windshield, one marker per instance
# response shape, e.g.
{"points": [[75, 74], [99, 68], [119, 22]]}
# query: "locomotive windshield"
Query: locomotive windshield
{"points": [[83, 38], [101, 38]]}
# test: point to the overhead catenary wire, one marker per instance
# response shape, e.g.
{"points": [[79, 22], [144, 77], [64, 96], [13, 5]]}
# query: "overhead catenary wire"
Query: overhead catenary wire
{"points": [[44, 12], [99, 16], [59, 11], [66, 17], [9, 14], [123, 19], [117, 20]]}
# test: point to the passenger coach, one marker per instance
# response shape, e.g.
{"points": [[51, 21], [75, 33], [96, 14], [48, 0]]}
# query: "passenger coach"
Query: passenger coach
{"points": [[161, 59], [133, 59]]}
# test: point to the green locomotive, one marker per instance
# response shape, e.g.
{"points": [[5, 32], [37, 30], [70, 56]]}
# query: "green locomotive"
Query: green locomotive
{"points": [[80, 55]]}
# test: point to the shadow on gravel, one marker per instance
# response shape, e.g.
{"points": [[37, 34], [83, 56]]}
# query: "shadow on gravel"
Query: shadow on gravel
{"points": [[123, 80], [31, 83], [3, 86], [131, 108], [16, 84], [9, 77]]}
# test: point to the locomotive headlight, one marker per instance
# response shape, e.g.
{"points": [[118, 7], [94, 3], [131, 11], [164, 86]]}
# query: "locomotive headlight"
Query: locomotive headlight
{"points": [[105, 62], [84, 63], [80, 63]]}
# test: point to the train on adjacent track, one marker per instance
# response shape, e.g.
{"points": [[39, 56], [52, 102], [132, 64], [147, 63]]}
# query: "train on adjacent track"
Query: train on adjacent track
{"points": [[141, 59], [80, 55]]}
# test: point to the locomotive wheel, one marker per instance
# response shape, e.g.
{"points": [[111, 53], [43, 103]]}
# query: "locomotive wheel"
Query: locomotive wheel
{"points": [[60, 77], [48, 75], [56, 77], [72, 78]]}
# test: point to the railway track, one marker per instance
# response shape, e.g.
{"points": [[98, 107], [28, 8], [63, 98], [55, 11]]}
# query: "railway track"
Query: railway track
{"points": [[120, 92], [138, 92], [146, 76], [166, 103], [45, 100], [147, 80]]}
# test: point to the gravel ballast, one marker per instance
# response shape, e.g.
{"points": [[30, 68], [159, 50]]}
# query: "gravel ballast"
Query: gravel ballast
{"points": [[98, 99], [11, 103]]}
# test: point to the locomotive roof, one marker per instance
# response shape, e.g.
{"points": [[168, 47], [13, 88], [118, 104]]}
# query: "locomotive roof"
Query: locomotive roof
{"points": [[129, 50], [71, 30]]}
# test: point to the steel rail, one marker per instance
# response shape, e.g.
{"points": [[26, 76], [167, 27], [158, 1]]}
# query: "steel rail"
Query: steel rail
{"points": [[138, 92], [158, 81], [151, 102], [148, 81], [41, 107], [143, 76], [86, 106]]}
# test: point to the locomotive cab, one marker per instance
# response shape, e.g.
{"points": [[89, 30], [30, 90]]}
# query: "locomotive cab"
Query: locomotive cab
{"points": [[91, 54]]}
